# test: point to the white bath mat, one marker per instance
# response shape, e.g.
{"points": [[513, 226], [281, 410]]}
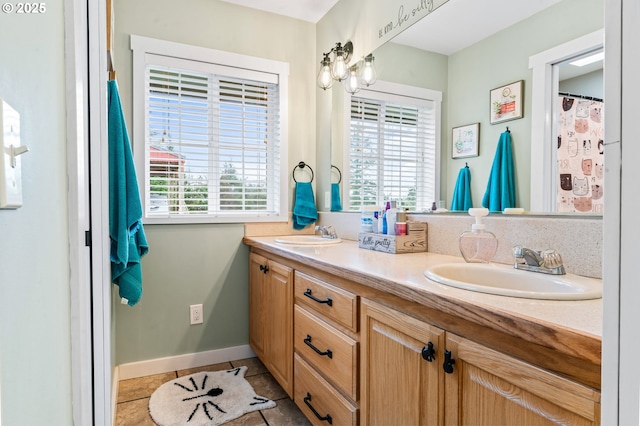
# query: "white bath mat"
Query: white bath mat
{"points": [[205, 399]]}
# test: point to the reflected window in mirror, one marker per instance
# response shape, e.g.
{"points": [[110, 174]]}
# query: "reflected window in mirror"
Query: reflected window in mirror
{"points": [[394, 145]]}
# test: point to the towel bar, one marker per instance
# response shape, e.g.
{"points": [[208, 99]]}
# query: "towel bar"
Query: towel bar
{"points": [[301, 165], [339, 173]]}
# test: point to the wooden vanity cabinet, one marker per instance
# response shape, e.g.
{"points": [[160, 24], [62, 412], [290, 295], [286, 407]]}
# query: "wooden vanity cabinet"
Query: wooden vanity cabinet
{"points": [[326, 347], [271, 317], [490, 388], [388, 358], [401, 368], [479, 386]]}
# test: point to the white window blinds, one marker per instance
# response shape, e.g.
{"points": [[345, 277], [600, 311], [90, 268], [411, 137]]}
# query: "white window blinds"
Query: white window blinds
{"points": [[212, 141], [392, 152]]}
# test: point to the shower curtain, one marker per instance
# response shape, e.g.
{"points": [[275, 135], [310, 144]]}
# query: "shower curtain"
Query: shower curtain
{"points": [[580, 155]]}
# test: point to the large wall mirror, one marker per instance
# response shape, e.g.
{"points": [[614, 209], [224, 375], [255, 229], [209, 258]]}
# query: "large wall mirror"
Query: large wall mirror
{"points": [[466, 48]]}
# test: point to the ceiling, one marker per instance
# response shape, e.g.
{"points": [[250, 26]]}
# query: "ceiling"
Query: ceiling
{"points": [[306, 10], [475, 20]]}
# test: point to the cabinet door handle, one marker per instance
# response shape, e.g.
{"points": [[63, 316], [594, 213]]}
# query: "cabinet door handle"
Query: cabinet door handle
{"points": [[448, 362], [328, 300], [428, 353], [307, 400], [328, 352], [264, 268]]}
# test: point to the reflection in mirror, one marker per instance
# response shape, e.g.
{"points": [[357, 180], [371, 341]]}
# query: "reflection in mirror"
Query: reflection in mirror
{"points": [[579, 125], [466, 72]]}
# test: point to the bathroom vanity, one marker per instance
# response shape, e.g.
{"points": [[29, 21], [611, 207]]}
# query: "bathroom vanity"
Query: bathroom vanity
{"points": [[362, 337]]}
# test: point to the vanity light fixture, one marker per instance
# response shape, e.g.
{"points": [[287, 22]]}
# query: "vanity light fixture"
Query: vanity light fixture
{"points": [[338, 69], [368, 71]]}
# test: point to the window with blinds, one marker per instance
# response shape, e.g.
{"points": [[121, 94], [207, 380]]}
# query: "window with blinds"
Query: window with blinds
{"points": [[212, 141], [393, 149]]}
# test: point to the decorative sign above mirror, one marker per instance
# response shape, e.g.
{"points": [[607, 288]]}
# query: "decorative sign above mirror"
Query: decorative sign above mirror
{"points": [[408, 13]]}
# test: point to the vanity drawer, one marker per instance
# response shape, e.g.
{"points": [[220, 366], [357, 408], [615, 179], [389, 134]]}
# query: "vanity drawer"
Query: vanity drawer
{"points": [[313, 393], [331, 352], [334, 303]]}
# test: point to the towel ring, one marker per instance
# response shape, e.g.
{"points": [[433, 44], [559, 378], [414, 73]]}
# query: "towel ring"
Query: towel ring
{"points": [[301, 165], [339, 173]]}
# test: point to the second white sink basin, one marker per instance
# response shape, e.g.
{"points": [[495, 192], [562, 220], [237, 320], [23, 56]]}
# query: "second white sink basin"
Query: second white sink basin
{"points": [[307, 240], [504, 280]]}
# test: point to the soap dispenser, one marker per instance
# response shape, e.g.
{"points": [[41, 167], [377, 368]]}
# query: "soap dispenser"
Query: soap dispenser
{"points": [[478, 245]]}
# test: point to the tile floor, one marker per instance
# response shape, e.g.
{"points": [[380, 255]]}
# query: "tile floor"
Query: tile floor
{"points": [[133, 397]]}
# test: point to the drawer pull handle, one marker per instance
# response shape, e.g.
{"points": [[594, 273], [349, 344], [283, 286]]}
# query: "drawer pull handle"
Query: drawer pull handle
{"points": [[307, 400], [328, 352], [428, 353], [448, 362], [264, 268], [328, 300]]}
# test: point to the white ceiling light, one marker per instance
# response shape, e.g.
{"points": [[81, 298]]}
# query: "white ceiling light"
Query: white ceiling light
{"points": [[588, 59]]}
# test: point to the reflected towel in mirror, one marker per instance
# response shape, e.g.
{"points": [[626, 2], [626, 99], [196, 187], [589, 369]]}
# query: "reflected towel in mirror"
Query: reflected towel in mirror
{"points": [[501, 190], [462, 191], [336, 204]]}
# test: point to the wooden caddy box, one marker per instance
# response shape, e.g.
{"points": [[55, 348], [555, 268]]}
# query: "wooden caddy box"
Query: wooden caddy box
{"points": [[414, 242]]}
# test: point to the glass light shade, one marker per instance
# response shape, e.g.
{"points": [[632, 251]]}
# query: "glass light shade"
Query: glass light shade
{"points": [[339, 70], [368, 73], [325, 80], [352, 84]]}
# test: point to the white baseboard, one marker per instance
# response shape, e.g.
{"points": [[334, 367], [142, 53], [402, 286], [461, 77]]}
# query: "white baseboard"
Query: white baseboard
{"points": [[180, 362]]}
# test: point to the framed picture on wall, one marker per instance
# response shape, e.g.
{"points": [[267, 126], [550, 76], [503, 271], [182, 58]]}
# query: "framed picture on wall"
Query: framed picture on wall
{"points": [[506, 102], [464, 141]]}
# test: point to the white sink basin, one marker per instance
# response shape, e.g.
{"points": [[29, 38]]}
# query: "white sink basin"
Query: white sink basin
{"points": [[504, 280], [307, 240]]}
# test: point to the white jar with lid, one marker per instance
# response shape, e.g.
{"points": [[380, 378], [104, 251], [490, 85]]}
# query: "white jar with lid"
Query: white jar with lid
{"points": [[367, 218]]}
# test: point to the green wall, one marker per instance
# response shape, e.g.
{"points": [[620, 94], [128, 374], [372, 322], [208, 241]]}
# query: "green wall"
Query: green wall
{"points": [[187, 265], [208, 264], [35, 348], [498, 60]]}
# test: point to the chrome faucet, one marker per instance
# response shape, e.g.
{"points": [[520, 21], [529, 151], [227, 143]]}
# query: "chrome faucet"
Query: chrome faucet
{"points": [[546, 261], [327, 231]]}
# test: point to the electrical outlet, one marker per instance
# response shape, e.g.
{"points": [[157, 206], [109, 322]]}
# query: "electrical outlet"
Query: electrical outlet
{"points": [[196, 314]]}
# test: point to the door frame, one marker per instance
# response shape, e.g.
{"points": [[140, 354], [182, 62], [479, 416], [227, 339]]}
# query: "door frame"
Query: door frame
{"points": [[88, 174], [543, 103]]}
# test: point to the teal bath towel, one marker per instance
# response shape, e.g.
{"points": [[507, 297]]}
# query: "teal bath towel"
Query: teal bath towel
{"points": [[304, 206], [501, 189], [128, 240], [462, 191], [336, 204]]}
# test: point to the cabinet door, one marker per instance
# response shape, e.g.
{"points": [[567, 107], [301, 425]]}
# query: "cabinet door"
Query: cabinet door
{"points": [[400, 386], [257, 304], [490, 388], [271, 317], [279, 323]]}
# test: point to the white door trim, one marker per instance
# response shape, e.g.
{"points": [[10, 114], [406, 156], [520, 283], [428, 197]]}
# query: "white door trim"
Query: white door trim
{"points": [[101, 269], [542, 104], [78, 209], [87, 167]]}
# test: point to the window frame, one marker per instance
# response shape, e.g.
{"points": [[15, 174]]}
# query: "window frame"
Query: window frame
{"points": [[390, 92], [143, 49]]}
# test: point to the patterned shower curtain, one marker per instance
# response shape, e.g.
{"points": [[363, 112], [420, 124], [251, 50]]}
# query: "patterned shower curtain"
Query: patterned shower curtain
{"points": [[580, 155]]}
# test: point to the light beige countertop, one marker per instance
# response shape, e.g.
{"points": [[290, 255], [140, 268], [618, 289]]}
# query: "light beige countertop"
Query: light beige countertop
{"points": [[572, 328]]}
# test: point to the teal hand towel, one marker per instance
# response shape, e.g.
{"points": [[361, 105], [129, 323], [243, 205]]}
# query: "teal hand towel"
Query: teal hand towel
{"points": [[127, 237], [462, 191], [501, 190], [336, 204], [304, 206]]}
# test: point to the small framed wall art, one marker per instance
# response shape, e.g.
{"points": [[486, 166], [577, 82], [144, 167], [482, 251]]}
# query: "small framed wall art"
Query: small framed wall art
{"points": [[464, 141], [506, 102]]}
